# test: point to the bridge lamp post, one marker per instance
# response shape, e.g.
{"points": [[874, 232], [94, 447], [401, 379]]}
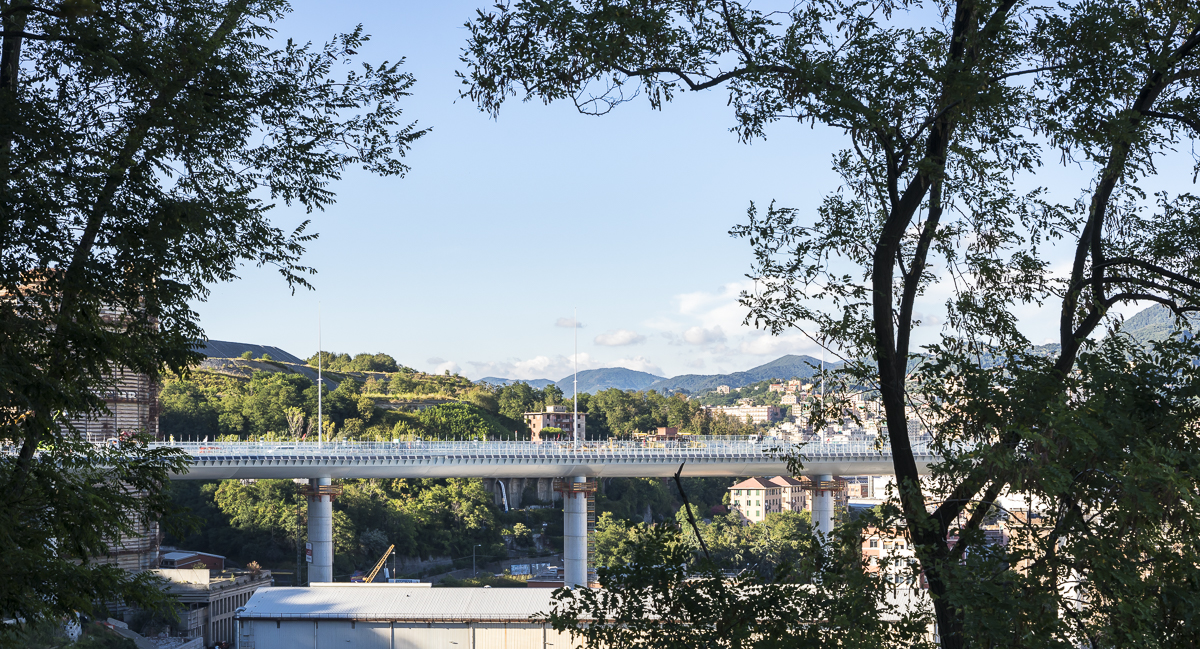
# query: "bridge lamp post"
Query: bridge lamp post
{"points": [[474, 571]]}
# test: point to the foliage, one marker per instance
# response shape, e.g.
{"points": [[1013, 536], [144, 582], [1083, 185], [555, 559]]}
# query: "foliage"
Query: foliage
{"points": [[661, 594], [946, 108], [631, 498], [263, 521], [517, 399], [50, 635], [760, 394], [612, 539], [336, 362], [482, 581], [462, 421], [143, 146], [781, 541]]}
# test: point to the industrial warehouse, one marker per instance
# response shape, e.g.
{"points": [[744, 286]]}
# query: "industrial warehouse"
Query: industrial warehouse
{"points": [[398, 616]]}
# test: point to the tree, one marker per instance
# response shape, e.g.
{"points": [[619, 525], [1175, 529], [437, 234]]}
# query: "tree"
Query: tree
{"points": [[484, 399], [142, 148], [552, 395], [939, 189], [517, 399], [461, 421], [611, 540]]}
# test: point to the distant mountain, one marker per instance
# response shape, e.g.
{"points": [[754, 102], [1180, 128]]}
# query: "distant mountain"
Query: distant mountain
{"points": [[593, 381], [784, 368], [1154, 323], [226, 349], [537, 384]]}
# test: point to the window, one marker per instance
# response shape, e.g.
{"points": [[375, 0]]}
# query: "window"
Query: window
{"points": [[758, 503], [757, 514], [874, 543]]}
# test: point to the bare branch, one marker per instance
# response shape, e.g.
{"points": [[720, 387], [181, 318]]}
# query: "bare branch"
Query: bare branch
{"points": [[688, 508], [1194, 124]]}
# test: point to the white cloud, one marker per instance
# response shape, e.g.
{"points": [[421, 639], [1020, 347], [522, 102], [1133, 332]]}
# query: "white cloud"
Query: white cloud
{"points": [[435, 360], [763, 344], [557, 367], [619, 338], [568, 323], [447, 365], [538, 367], [639, 364], [716, 309], [697, 364], [702, 336]]}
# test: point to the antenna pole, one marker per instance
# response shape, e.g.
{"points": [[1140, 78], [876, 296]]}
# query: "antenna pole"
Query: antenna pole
{"points": [[320, 384], [575, 396]]}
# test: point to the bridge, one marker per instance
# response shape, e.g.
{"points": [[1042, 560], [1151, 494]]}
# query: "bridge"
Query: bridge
{"points": [[574, 462], [608, 459]]}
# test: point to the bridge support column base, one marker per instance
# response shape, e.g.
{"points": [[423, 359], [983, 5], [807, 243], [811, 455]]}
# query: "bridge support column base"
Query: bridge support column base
{"points": [[320, 493], [575, 529], [822, 509]]}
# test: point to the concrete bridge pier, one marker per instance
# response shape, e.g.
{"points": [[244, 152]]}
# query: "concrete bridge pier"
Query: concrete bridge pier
{"points": [[575, 532], [822, 508], [320, 493]]}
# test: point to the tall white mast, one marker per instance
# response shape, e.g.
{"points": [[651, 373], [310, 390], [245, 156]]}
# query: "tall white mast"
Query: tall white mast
{"points": [[575, 396], [320, 384]]}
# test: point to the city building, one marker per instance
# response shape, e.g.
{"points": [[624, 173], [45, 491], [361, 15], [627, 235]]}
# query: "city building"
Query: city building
{"points": [[789, 399], [412, 616], [661, 434], [789, 387], [187, 559], [793, 495], [722, 389], [555, 417], [754, 498], [757, 414], [891, 552], [210, 600]]}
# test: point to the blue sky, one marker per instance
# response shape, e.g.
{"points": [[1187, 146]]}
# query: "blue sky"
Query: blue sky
{"points": [[474, 260]]}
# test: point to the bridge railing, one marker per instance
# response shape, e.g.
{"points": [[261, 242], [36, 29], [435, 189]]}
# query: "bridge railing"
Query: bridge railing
{"points": [[704, 448]]}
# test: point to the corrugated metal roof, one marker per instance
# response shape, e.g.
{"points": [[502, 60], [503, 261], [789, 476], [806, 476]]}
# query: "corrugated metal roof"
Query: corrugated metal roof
{"points": [[396, 602]]}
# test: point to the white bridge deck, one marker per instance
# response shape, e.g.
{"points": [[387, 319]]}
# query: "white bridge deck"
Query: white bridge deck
{"points": [[710, 457]]}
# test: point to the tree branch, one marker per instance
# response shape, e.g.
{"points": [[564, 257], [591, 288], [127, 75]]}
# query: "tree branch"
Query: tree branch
{"points": [[733, 33], [1194, 124], [37, 37], [688, 508]]}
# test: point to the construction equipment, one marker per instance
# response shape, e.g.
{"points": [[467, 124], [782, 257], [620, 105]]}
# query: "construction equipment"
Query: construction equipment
{"points": [[371, 577]]}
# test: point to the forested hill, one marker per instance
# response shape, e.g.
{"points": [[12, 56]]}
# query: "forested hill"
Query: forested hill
{"points": [[786, 367], [1154, 323], [593, 381]]}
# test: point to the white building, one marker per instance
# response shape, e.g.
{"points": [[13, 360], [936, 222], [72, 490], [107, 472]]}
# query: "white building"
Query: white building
{"points": [[757, 414], [398, 616]]}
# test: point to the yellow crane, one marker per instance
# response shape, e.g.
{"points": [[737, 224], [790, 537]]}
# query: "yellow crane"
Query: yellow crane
{"points": [[371, 577]]}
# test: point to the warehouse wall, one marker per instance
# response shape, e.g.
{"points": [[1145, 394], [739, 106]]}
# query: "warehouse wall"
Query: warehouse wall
{"points": [[344, 634]]}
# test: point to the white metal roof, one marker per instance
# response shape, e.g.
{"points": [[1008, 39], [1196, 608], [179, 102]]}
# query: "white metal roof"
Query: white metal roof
{"points": [[396, 602]]}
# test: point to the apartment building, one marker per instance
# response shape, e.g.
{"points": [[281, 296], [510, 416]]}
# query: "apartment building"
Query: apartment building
{"points": [[757, 414], [753, 499], [559, 417]]}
